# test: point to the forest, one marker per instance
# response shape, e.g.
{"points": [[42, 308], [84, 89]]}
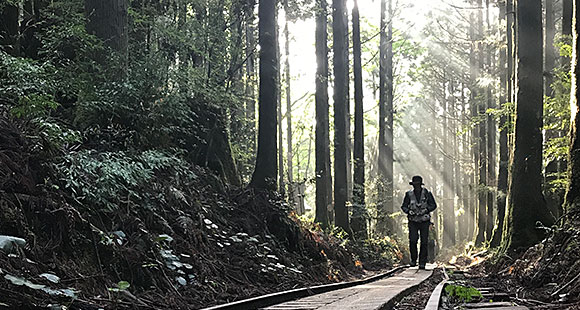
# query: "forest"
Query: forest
{"points": [[182, 154]]}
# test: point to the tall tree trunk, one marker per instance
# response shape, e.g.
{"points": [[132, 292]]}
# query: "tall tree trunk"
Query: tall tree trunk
{"points": [[457, 184], [264, 176], [448, 205], [281, 184], [292, 194], [505, 92], [474, 131], [108, 20], [323, 178], [491, 135], [549, 50], [389, 129], [382, 213], [432, 162], [235, 71], [510, 64], [526, 204], [572, 201], [251, 81], [385, 160], [554, 196], [567, 10], [349, 143], [481, 140], [340, 51], [359, 218], [511, 68], [461, 161]]}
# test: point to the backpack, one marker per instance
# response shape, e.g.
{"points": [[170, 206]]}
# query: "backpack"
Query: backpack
{"points": [[419, 207]]}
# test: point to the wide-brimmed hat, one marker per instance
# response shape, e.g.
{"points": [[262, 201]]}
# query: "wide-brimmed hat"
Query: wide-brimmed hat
{"points": [[416, 180]]}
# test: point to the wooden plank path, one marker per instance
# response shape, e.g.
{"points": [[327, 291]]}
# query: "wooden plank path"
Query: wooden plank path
{"points": [[380, 294], [435, 299]]}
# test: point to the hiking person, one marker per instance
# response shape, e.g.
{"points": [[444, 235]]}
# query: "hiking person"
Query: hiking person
{"points": [[418, 203]]}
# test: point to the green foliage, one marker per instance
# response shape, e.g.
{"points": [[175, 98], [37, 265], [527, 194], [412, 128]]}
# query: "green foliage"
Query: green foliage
{"points": [[462, 293], [557, 120], [564, 45], [71, 52], [108, 180], [34, 105], [121, 286], [374, 250], [557, 106], [25, 82], [173, 88], [27, 87], [300, 9], [508, 111], [243, 153], [53, 136], [340, 233]]}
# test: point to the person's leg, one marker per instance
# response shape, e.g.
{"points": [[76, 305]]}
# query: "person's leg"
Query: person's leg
{"points": [[413, 238], [424, 230]]}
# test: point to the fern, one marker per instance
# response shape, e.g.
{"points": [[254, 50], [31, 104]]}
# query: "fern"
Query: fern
{"points": [[463, 293]]}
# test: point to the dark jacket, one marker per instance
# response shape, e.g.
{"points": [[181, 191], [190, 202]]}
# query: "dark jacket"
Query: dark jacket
{"points": [[419, 211]]}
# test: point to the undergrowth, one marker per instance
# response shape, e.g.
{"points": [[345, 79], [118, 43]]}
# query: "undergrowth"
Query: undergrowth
{"points": [[149, 223]]}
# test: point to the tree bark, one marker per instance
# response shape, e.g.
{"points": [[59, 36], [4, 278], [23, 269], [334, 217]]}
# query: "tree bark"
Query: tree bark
{"points": [[292, 194], [340, 51], [448, 205], [251, 81], [481, 140], [389, 130], [108, 20], [572, 202], [382, 213], [567, 10], [462, 179], [323, 178], [471, 224], [432, 177], [385, 160], [526, 204], [457, 184], [491, 136], [554, 197], [281, 184], [349, 142], [511, 68], [359, 218], [505, 92], [235, 71], [549, 50], [264, 176]]}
